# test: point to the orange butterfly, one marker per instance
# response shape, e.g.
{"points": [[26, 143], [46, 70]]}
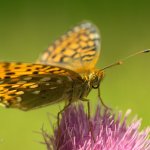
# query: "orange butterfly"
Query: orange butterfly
{"points": [[65, 71]]}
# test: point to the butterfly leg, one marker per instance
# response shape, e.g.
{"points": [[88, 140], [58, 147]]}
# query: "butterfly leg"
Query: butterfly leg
{"points": [[58, 123], [60, 112], [89, 117], [101, 101], [88, 106]]}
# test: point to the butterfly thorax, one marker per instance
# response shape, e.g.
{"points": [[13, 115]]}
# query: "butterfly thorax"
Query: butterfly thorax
{"points": [[92, 80]]}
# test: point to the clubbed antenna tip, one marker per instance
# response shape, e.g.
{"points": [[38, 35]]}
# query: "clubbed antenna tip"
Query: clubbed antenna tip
{"points": [[120, 62], [146, 51]]}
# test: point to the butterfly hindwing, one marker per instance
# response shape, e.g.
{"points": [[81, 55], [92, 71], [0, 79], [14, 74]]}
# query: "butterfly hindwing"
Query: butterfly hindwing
{"points": [[77, 50]]}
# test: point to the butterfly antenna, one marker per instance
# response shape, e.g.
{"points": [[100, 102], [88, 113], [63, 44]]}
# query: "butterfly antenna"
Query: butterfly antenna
{"points": [[124, 59]]}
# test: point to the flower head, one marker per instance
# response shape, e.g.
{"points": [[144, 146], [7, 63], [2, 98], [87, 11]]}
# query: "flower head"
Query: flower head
{"points": [[101, 132]]}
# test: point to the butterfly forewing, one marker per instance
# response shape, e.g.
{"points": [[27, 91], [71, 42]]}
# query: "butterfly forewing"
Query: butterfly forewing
{"points": [[28, 86], [77, 50]]}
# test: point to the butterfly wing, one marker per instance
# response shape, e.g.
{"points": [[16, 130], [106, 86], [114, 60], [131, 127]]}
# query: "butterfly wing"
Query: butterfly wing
{"points": [[77, 50], [27, 86]]}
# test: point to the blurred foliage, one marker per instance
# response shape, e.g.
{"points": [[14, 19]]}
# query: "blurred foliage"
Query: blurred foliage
{"points": [[28, 27]]}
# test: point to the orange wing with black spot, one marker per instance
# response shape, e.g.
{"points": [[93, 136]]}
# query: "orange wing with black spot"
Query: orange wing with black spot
{"points": [[77, 50], [26, 86]]}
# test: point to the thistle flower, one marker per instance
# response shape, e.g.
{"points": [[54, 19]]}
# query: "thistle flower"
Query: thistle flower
{"points": [[101, 132]]}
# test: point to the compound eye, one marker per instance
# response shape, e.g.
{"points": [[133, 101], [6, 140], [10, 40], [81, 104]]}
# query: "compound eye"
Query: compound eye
{"points": [[95, 86]]}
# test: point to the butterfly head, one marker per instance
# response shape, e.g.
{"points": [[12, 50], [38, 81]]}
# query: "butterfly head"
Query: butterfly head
{"points": [[95, 78]]}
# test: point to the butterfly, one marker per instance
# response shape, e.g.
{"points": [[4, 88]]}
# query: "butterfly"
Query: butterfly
{"points": [[64, 71]]}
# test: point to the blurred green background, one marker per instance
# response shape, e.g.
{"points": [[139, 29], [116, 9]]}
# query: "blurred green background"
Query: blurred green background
{"points": [[28, 27]]}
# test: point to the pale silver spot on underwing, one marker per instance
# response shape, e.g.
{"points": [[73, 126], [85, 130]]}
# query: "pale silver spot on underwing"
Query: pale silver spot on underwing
{"points": [[3, 105], [59, 81], [27, 78], [69, 78], [47, 84], [45, 79], [19, 99], [52, 88], [36, 92]]}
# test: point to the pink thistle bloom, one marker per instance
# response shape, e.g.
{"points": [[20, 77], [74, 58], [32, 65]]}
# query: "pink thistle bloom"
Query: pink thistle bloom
{"points": [[108, 133]]}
